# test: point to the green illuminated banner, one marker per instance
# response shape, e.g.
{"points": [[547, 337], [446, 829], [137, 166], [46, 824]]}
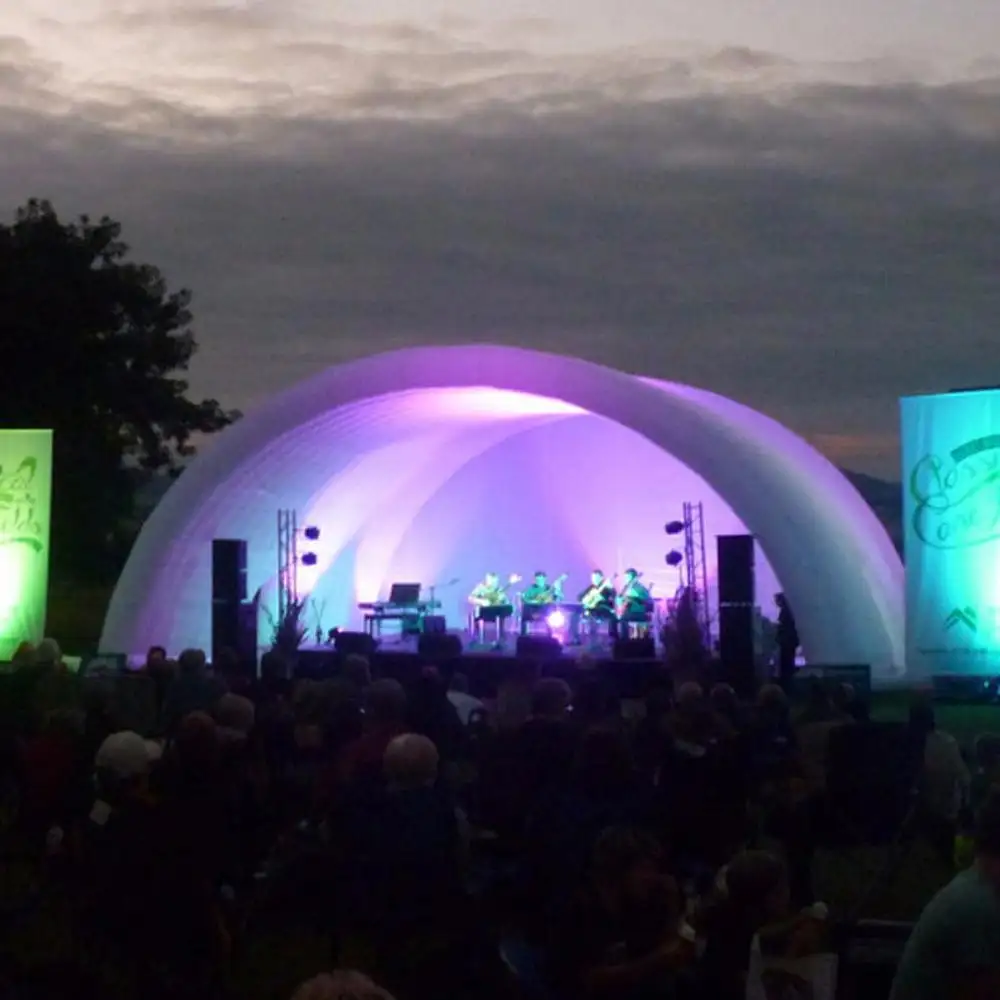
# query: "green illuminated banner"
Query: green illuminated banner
{"points": [[951, 506], [25, 506]]}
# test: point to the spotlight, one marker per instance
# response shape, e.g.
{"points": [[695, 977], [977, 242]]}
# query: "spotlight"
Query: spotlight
{"points": [[556, 620], [309, 559], [674, 527], [674, 558], [312, 534]]}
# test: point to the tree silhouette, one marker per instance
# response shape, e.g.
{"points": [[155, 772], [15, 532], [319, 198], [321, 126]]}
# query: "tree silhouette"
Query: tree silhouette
{"points": [[91, 345]]}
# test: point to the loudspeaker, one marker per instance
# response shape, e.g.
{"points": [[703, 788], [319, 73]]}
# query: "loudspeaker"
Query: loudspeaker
{"points": [[229, 570], [736, 627], [354, 644], [439, 646], [635, 649], [234, 627], [538, 647], [434, 625], [735, 554]]}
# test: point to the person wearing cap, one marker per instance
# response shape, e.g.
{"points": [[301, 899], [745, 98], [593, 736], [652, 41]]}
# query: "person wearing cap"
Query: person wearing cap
{"points": [[122, 768], [954, 950], [145, 891]]}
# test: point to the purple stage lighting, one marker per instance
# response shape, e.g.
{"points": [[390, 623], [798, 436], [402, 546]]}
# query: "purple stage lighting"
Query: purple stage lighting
{"points": [[556, 620], [435, 464]]}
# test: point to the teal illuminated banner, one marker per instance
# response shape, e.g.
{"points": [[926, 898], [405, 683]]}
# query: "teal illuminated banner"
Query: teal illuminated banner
{"points": [[951, 507], [25, 506]]}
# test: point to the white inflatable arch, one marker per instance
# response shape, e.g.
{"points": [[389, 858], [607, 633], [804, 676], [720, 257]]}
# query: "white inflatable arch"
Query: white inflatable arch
{"points": [[367, 449]]}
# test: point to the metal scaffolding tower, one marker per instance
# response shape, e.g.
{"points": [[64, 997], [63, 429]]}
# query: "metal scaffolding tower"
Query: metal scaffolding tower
{"points": [[288, 562], [695, 567]]}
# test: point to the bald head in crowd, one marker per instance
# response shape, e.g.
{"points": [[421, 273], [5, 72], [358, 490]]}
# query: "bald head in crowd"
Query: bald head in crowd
{"points": [[410, 761], [341, 985]]}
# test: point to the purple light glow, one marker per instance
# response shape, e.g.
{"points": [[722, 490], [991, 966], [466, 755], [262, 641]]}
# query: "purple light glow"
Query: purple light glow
{"points": [[436, 464], [556, 620]]}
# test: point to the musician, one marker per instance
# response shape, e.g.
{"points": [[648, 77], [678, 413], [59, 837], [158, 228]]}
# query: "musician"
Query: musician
{"points": [[597, 604], [635, 599], [490, 603], [490, 593], [538, 597]]}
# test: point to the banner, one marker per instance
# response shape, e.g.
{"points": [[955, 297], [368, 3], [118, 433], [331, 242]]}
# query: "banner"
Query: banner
{"points": [[25, 505], [951, 512]]}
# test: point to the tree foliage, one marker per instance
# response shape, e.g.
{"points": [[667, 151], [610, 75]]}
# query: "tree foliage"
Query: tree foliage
{"points": [[92, 347]]}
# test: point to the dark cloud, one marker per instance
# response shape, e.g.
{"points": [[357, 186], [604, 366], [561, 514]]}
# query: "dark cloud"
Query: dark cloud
{"points": [[814, 249]]}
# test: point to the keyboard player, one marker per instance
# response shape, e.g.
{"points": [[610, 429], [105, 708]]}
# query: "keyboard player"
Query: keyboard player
{"points": [[490, 603]]}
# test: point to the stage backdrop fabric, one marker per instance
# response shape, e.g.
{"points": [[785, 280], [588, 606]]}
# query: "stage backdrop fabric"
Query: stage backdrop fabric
{"points": [[25, 505], [951, 510]]}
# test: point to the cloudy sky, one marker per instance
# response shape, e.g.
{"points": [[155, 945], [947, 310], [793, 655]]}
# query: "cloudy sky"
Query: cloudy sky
{"points": [[794, 202]]}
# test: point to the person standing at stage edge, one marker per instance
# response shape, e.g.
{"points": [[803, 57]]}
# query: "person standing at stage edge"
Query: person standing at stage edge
{"points": [[788, 641]]}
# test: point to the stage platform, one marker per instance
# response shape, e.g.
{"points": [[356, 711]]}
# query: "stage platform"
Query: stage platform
{"points": [[487, 667]]}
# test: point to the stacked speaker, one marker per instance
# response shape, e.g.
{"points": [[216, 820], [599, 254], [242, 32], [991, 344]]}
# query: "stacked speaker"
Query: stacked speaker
{"points": [[737, 607], [234, 619]]}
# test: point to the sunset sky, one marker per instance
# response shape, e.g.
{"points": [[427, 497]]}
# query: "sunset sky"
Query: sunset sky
{"points": [[794, 202]]}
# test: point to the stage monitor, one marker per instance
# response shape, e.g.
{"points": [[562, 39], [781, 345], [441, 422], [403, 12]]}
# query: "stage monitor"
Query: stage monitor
{"points": [[951, 532]]}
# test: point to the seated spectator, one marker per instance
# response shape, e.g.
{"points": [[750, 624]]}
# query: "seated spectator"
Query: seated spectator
{"points": [[147, 896], [385, 706], [986, 777], [526, 764], [847, 703], [603, 791], [651, 736], [815, 724], [50, 779], [756, 893], [192, 690], [954, 950], [431, 713], [402, 850], [618, 936], [24, 655], [458, 694], [946, 781], [595, 704], [357, 671], [726, 709], [235, 716], [340, 985], [701, 792]]}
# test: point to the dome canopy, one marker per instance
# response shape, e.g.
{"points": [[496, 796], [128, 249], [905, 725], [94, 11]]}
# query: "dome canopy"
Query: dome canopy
{"points": [[434, 464]]}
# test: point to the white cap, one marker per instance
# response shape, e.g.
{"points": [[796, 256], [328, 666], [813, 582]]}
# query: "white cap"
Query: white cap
{"points": [[127, 755]]}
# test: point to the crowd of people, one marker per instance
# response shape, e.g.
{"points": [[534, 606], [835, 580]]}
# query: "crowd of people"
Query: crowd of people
{"points": [[544, 841]]}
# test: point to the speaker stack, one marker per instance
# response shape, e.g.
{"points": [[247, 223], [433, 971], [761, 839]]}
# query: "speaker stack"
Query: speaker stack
{"points": [[234, 619], [737, 609]]}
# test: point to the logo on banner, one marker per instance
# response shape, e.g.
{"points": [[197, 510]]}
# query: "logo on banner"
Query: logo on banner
{"points": [[967, 618], [957, 497], [19, 524]]}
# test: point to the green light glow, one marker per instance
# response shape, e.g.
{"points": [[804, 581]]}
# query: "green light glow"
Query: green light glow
{"points": [[951, 506], [25, 508]]}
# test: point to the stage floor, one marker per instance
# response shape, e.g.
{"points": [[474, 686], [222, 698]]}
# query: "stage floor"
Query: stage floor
{"points": [[599, 650]]}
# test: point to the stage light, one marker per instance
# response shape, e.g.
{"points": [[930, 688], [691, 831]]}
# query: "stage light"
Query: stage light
{"points": [[674, 527], [309, 559], [556, 620], [311, 533], [674, 558]]}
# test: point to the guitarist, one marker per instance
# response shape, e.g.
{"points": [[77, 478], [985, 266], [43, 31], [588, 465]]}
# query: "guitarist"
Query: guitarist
{"points": [[538, 597], [598, 604]]}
